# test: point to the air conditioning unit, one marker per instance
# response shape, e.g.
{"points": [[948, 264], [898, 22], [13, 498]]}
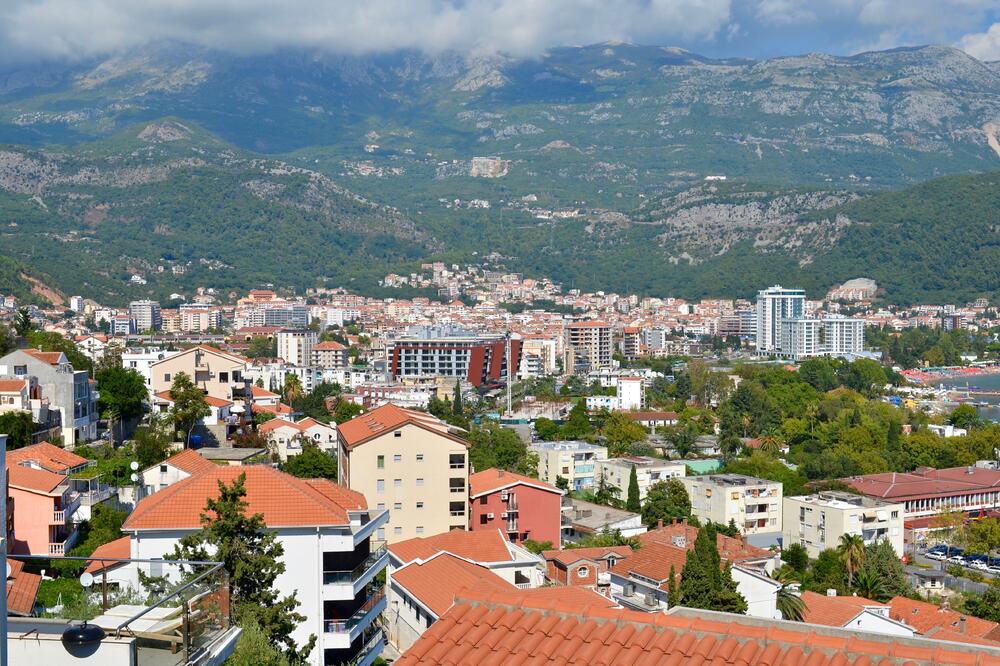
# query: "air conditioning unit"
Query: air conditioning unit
{"points": [[504, 495], [489, 516], [504, 515]]}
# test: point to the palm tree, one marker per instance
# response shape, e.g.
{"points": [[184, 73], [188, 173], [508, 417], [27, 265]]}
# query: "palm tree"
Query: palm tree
{"points": [[852, 554], [867, 584], [789, 603], [770, 444], [293, 387]]}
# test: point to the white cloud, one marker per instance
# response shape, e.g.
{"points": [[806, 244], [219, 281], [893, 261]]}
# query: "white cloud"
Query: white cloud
{"points": [[983, 45], [80, 28]]}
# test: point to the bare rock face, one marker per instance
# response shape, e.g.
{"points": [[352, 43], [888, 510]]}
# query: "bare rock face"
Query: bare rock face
{"points": [[488, 167], [163, 132]]}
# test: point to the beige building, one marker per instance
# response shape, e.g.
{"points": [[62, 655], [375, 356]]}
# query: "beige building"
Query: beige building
{"points": [[216, 372], [588, 346], [412, 464], [330, 355], [818, 521], [753, 504], [618, 471], [574, 461], [296, 346]]}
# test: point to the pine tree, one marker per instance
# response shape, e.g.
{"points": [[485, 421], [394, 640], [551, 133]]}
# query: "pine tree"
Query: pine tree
{"points": [[251, 556], [632, 501], [189, 405], [704, 582], [456, 405]]}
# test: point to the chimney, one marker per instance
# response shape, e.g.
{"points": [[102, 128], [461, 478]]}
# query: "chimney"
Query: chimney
{"points": [[659, 524], [500, 473], [831, 592], [961, 625]]}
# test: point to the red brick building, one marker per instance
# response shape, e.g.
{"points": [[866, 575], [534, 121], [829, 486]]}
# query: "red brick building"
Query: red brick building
{"points": [[523, 507], [581, 566]]}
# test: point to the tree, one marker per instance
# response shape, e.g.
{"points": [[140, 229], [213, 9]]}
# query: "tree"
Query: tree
{"points": [[704, 582], [122, 393], [673, 592], [152, 442], [621, 431], [983, 536], [546, 429], [22, 322], [987, 604], [346, 410], [7, 342], [682, 438], [949, 525], [749, 411], [456, 402], [251, 556], [965, 416], [254, 648], [577, 425], [882, 564], [492, 445], [312, 463], [827, 573], [606, 538], [632, 501], [261, 347], [189, 405], [788, 602], [852, 553], [537, 547], [19, 427], [667, 501], [796, 557], [292, 390], [868, 585]]}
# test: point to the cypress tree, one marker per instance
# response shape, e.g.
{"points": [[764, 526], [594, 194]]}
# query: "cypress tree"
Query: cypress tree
{"points": [[456, 405], [704, 582], [632, 501], [673, 594]]}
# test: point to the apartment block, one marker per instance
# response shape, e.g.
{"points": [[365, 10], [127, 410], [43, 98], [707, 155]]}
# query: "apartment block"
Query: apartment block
{"points": [[521, 507], [818, 521], [648, 471], [753, 504], [427, 352], [773, 305], [588, 346], [296, 346], [572, 460], [146, 314]]}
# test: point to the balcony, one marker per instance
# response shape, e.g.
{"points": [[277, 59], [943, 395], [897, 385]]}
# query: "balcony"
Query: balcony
{"points": [[339, 634], [347, 584], [59, 548], [59, 516], [370, 651]]}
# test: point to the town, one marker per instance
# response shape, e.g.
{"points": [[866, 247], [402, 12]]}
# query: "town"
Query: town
{"points": [[330, 478]]}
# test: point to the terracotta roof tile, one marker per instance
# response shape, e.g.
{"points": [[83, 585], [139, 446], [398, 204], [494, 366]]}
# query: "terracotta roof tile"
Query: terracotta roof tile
{"points": [[834, 611], [22, 588], [927, 618], [209, 400], [282, 499], [260, 392], [12, 385], [52, 358], [478, 546], [119, 548], [568, 556], [436, 581], [329, 345], [47, 456], [38, 480], [492, 479], [188, 461], [386, 418]]}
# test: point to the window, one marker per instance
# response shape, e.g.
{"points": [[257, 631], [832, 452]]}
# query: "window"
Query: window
{"points": [[895, 514], [381, 506], [456, 485], [420, 482], [397, 506], [420, 457], [21, 370], [224, 377], [420, 529], [420, 505], [398, 433], [483, 519], [397, 458], [582, 572], [456, 460], [483, 500], [457, 509], [381, 534], [237, 376], [397, 483], [380, 462], [166, 377], [380, 486], [397, 531], [163, 469]]}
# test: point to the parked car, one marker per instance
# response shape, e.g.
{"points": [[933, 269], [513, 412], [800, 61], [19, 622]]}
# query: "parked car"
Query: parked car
{"points": [[957, 559], [980, 565]]}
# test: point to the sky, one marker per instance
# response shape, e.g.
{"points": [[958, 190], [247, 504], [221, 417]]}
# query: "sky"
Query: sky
{"points": [[39, 30]]}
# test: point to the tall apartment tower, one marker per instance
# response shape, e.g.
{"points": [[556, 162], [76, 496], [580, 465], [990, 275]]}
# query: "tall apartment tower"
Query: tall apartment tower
{"points": [[296, 347], [773, 305], [146, 314], [588, 346]]}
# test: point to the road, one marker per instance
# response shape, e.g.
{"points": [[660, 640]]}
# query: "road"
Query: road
{"points": [[951, 582]]}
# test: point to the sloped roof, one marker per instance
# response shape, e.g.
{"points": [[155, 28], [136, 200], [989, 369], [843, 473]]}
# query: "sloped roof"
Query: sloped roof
{"points": [[282, 499], [436, 582], [119, 548], [386, 418], [925, 482], [52, 358], [47, 456], [834, 611], [260, 392], [730, 549], [22, 588], [568, 556], [329, 345], [928, 618], [478, 546], [493, 479], [654, 561], [188, 461], [12, 385], [37, 480], [490, 632], [209, 400]]}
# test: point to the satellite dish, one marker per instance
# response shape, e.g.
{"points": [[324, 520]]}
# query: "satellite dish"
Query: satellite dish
{"points": [[134, 477], [86, 579], [134, 466]]}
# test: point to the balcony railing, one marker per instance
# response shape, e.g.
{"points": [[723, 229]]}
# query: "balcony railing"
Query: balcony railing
{"points": [[345, 626], [372, 643], [60, 547], [349, 576]]}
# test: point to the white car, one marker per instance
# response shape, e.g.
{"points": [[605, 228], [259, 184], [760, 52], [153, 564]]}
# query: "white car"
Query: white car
{"points": [[979, 564], [957, 559], [935, 556]]}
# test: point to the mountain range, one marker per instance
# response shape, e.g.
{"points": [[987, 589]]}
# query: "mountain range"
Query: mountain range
{"points": [[602, 167]]}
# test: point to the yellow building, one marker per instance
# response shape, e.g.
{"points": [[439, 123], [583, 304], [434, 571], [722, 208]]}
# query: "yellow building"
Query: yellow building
{"points": [[214, 371], [412, 464]]}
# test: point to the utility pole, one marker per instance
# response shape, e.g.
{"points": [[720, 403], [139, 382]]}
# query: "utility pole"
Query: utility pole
{"points": [[510, 375]]}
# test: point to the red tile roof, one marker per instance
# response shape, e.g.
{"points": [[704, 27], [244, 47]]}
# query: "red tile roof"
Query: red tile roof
{"points": [[925, 482], [188, 461], [280, 408], [436, 582], [929, 619], [386, 418], [490, 632], [12, 385], [568, 556], [52, 358], [730, 549], [282, 499], [478, 546], [329, 345], [589, 324], [119, 548], [47, 456], [22, 588], [37, 480], [493, 479], [834, 611], [209, 400], [260, 392]]}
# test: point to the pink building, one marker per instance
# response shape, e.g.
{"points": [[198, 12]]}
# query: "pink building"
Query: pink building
{"points": [[522, 507], [43, 511]]}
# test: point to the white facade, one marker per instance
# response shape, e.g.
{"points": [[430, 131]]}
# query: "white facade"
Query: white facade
{"points": [[817, 522], [773, 305], [800, 338], [843, 336], [141, 361], [618, 472], [574, 461], [146, 315], [295, 347], [753, 504], [631, 393]]}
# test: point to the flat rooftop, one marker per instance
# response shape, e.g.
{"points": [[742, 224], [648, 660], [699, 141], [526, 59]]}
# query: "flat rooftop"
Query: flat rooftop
{"points": [[569, 445], [731, 480], [642, 461], [838, 499]]}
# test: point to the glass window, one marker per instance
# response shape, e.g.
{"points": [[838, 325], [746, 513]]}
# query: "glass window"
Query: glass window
{"points": [[381, 534], [397, 531], [380, 462], [420, 505], [420, 529], [381, 506], [398, 433], [397, 483], [380, 486], [582, 572], [397, 458], [397, 506], [420, 457], [420, 482]]}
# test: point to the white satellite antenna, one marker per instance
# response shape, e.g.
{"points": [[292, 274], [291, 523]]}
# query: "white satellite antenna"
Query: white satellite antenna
{"points": [[86, 579], [134, 466]]}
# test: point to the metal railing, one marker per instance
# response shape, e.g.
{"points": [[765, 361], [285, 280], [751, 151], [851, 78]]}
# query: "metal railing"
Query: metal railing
{"points": [[345, 626], [366, 649], [349, 576]]}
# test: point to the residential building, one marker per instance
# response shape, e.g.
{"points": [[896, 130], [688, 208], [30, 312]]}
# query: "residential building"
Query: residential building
{"points": [[219, 374], [588, 346], [86, 490], [926, 492], [946, 430], [631, 342], [521, 507], [199, 319], [326, 531], [92, 346], [617, 472], [329, 355], [176, 468], [146, 315], [773, 305], [753, 504], [817, 522], [631, 393], [76, 303], [573, 461], [142, 359], [409, 462], [653, 420], [296, 346], [286, 438], [430, 352], [44, 506], [71, 394], [940, 622], [121, 325], [843, 336], [15, 395], [587, 567], [853, 612], [214, 429], [800, 338], [582, 518]]}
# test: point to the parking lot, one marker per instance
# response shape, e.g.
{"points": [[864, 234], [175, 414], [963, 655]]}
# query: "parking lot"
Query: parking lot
{"points": [[954, 555]]}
